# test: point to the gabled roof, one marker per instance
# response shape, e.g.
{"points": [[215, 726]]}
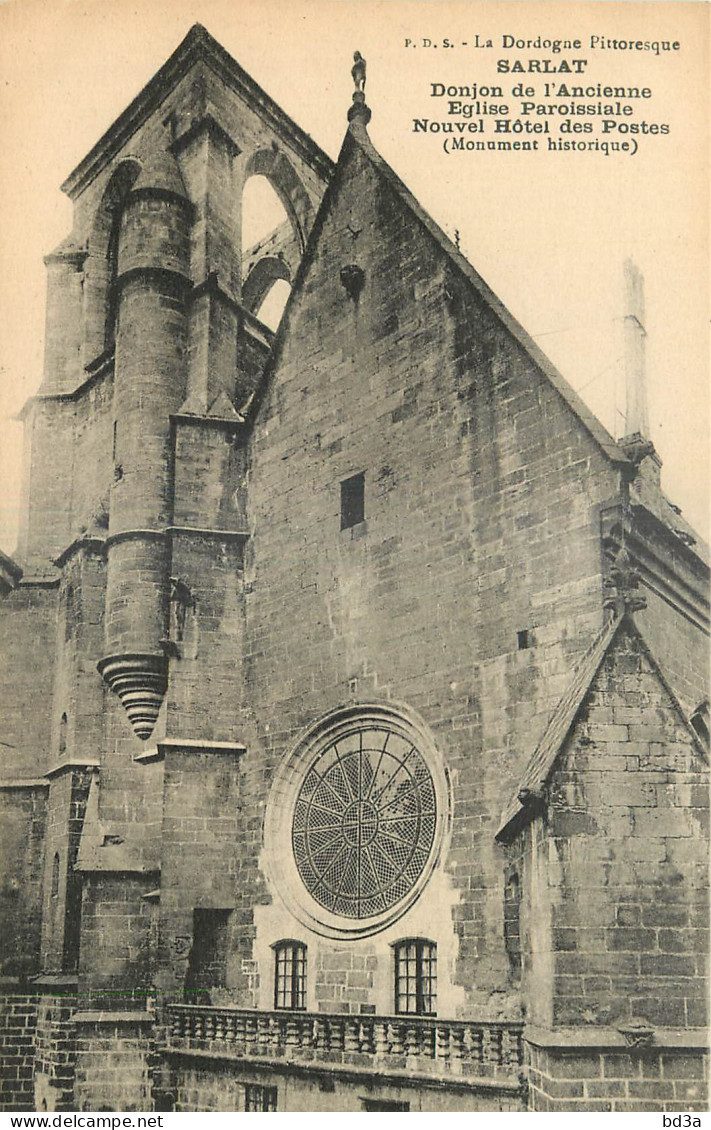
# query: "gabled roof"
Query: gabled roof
{"points": [[599, 433], [540, 766], [357, 134], [198, 46]]}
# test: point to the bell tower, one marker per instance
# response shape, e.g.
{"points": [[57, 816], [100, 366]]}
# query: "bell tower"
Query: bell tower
{"points": [[153, 295]]}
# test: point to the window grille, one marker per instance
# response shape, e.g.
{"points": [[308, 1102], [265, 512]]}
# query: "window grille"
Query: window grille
{"points": [[416, 977], [364, 823], [290, 975], [258, 1097]]}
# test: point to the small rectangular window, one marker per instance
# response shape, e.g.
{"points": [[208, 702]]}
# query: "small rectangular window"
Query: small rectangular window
{"points": [[353, 501], [383, 1104], [258, 1097], [524, 639]]}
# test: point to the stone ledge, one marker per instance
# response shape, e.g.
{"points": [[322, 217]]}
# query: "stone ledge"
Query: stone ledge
{"points": [[96, 1016], [24, 783], [50, 980], [208, 531], [201, 745], [573, 1039], [72, 763]]}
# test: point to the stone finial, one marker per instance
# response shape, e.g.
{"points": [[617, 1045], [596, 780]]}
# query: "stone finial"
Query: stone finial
{"points": [[622, 585], [359, 111]]}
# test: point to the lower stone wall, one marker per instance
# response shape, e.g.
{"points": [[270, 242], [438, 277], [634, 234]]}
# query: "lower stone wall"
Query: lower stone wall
{"points": [[211, 1085], [611, 1079], [18, 1020], [55, 1053], [115, 1061]]}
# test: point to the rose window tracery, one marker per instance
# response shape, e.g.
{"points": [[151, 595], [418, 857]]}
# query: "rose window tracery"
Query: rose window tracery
{"points": [[364, 823], [359, 801]]}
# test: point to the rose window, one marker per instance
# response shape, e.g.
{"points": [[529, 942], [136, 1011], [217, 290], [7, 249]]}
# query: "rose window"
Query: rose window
{"points": [[355, 821], [364, 822]]}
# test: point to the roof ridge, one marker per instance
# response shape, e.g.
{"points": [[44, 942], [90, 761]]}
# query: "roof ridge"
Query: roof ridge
{"points": [[197, 45]]}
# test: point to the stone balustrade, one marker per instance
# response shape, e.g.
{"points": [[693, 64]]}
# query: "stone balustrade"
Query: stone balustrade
{"points": [[417, 1044]]}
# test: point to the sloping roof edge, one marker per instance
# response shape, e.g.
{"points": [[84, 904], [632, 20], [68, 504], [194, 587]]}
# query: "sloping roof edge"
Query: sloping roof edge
{"points": [[197, 45], [545, 755], [358, 135]]}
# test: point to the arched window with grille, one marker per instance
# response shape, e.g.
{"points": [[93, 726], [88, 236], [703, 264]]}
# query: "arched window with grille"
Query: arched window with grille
{"points": [[416, 976], [290, 975]]}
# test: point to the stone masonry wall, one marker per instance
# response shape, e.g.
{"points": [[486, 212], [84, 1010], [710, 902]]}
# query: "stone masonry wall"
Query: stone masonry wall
{"points": [[115, 1063], [55, 1051], [18, 1020], [589, 1079], [200, 828], [621, 862], [22, 829], [219, 1087], [115, 961], [481, 520], [28, 616]]}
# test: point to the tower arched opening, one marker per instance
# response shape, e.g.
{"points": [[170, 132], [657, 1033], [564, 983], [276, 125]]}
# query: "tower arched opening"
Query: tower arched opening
{"points": [[101, 269]]}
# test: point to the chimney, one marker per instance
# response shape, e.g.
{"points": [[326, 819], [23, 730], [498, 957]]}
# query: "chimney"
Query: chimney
{"points": [[636, 418]]}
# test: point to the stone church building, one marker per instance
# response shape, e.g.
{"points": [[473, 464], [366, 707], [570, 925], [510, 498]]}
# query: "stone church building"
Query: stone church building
{"points": [[354, 725]]}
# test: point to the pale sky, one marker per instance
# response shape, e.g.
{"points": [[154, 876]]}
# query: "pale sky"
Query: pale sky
{"points": [[548, 232]]}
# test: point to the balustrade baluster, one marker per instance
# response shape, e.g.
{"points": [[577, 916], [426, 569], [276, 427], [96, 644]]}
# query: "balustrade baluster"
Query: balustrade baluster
{"points": [[412, 1039], [491, 1047], [511, 1047], [456, 1046], [426, 1033], [476, 1044], [382, 1043], [395, 1036], [351, 1041], [367, 1035], [291, 1032], [305, 1031]]}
